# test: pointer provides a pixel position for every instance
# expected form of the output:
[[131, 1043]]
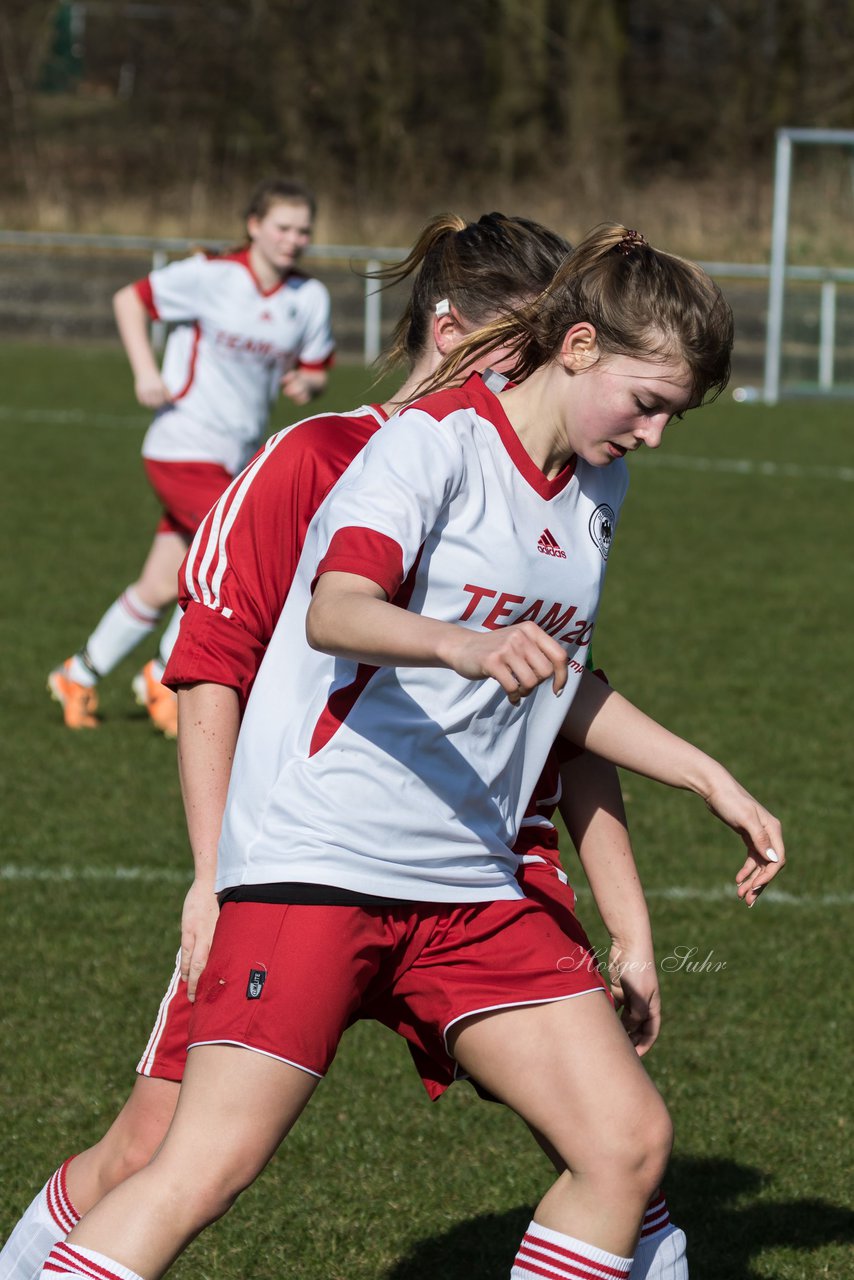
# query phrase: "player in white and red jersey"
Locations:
[[623, 339], [247, 324], [233, 598]]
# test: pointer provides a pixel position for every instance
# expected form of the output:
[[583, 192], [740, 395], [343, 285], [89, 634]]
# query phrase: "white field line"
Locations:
[[745, 467], [71, 418], [676, 461], [675, 893]]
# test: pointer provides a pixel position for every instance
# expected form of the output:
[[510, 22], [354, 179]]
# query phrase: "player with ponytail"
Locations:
[[438, 644]]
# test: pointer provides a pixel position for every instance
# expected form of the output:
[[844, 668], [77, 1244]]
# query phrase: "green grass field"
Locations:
[[727, 615]]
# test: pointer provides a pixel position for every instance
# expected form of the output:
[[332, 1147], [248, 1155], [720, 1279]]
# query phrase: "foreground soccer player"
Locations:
[[465, 275]]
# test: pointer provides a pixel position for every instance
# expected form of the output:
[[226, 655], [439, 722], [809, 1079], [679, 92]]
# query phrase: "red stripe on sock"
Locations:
[[568, 1263], [558, 1270], [655, 1220], [148, 619], [74, 1262], [59, 1206]]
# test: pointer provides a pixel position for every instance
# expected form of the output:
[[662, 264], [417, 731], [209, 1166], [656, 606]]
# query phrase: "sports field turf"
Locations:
[[728, 614]]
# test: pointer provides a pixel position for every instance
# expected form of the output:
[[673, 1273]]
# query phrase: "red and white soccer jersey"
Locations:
[[233, 342], [411, 783], [238, 571]]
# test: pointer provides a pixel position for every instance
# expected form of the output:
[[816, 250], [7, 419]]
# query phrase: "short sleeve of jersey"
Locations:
[[173, 292], [318, 344], [214, 649], [410, 470]]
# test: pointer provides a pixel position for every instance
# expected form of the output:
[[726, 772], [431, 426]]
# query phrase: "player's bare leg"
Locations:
[[660, 1253], [127, 1146], [615, 1141], [156, 585], [235, 1108], [80, 1183]]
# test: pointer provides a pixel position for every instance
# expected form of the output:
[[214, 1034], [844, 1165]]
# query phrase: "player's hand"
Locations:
[[634, 985], [296, 387], [760, 831], [198, 921], [519, 657], [151, 391]]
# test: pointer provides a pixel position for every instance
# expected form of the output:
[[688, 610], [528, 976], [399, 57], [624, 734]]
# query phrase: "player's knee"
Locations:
[[630, 1156], [214, 1191]]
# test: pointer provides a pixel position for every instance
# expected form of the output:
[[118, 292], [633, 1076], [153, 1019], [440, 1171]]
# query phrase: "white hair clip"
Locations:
[[443, 308]]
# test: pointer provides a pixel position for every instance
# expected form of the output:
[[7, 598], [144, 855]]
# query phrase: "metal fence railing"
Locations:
[[58, 287]]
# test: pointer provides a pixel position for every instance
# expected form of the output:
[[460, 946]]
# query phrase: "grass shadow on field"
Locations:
[[726, 1223], [729, 1218], [479, 1249]]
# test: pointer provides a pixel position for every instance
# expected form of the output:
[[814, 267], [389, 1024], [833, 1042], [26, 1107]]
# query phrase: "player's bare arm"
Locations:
[[591, 805], [132, 321], [351, 617], [608, 724], [208, 723]]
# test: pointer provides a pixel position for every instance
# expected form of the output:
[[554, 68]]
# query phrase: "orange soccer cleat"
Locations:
[[160, 703], [79, 702]]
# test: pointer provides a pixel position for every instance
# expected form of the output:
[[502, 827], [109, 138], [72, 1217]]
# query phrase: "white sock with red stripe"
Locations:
[[548, 1253], [127, 621], [85, 1264], [49, 1218], [660, 1252]]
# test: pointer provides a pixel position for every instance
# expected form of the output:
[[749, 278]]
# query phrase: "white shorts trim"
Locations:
[[514, 1004], [146, 1062], [239, 1044]]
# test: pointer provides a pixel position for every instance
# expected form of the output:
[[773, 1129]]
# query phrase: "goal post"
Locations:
[[786, 138]]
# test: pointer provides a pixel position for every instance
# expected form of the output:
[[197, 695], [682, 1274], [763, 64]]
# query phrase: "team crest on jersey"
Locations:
[[602, 528], [255, 985]]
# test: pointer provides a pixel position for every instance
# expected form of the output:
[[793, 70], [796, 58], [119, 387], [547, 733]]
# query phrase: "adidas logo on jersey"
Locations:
[[266, 315], [548, 546]]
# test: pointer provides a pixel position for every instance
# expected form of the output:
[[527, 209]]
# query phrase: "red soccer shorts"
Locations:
[[287, 980], [187, 491], [542, 880]]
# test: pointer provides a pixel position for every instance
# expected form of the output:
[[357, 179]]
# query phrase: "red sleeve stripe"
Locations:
[[317, 366], [355, 549], [146, 296]]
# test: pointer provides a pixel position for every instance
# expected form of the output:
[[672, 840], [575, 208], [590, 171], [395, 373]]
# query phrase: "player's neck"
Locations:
[[263, 270]]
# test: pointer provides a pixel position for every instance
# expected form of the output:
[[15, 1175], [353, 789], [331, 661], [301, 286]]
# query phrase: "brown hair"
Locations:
[[275, 190], [481, 268], [641, 302]]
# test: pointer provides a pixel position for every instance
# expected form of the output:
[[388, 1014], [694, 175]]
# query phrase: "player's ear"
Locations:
[[579, 349], [448, 328], [252, 225]]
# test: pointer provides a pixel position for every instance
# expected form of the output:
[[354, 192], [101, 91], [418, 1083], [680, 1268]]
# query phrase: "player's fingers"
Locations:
[[197, 968], [553, 653], [186, 953]]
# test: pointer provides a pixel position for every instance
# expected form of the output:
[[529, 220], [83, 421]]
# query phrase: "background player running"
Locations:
[[248, 324]]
